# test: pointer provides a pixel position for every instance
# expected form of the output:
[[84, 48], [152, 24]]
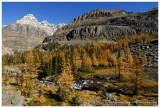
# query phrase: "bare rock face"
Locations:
[[107, 24], [27, 33], [6, 51]]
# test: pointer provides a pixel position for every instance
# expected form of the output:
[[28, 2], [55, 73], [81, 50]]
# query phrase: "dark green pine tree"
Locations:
[[67, 58], [22, 58], [71, 58], [55, 64], [119, 64], [59, 60], [119, 54], [51, 67], [35, 58], [41, 59], [48, 69]]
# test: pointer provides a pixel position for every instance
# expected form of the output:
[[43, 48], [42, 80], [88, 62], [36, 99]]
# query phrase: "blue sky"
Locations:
[[64, 12]]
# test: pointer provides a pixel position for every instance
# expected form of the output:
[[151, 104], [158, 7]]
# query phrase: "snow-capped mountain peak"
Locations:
[[30, 19]]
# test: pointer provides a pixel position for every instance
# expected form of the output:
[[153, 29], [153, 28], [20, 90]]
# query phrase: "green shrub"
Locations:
[[51, 46], [80, 74], [32, 103], [55, 78], [87, 69], [104, 91], [63, 97], [40, 92], [122, 79], [75, 99], [20, 88], [71, 89], [29, 94], [29, 87], [100, 67], [37, 84], [40, 87]]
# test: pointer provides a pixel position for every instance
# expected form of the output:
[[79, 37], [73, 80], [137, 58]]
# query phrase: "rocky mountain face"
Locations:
[[107, 24], [27, 33]]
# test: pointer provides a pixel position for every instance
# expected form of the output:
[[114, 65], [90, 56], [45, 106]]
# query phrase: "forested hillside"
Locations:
[[111, 67]]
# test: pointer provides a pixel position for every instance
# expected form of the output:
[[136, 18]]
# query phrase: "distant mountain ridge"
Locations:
[[27, 32], [30, 19], [108, 25]]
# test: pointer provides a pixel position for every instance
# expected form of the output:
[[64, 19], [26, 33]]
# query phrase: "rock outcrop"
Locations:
[[10, 98], [12, 70], [150, 49], [107, 24], [27, 33]]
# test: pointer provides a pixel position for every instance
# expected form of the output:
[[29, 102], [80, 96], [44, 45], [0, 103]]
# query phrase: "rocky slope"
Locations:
[[150, 49], [27, 33], [107, 24]]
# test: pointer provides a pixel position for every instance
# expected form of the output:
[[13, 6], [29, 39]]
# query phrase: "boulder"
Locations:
[[80, 99], [109, 97], [85, 104], [28, 99], [63, 104]]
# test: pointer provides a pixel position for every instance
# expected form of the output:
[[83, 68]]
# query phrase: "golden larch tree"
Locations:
[[137, 73], [30, 62], [76, 60], [128, 56], [94, 60], [86, 60], [66, 81]]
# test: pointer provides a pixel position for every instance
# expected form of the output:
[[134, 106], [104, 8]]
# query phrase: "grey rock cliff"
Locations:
[[27, 33], [107, 24]]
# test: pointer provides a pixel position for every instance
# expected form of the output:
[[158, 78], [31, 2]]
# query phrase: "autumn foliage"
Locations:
[[70, 60]]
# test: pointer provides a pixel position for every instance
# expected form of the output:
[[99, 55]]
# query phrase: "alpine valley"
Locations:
[[101, 58]]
